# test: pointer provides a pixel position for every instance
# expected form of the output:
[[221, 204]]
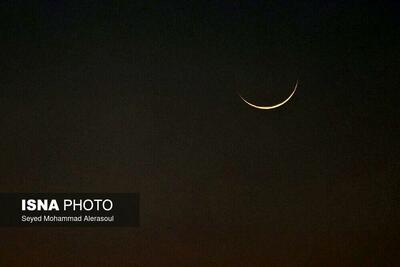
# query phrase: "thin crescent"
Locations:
[[274, 106]]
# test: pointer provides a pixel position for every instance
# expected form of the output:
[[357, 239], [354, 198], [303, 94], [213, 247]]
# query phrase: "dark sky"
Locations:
[[144, 98]]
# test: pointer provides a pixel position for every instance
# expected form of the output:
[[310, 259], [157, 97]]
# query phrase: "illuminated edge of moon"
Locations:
[[274, 106]]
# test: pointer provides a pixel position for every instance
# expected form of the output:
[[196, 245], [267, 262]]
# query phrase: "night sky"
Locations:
[[144, 98]]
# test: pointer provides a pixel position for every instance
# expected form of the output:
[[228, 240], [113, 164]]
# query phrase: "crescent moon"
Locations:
[[274, 106]]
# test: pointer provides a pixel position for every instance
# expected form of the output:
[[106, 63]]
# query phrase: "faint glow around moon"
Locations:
[[274, 106]]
